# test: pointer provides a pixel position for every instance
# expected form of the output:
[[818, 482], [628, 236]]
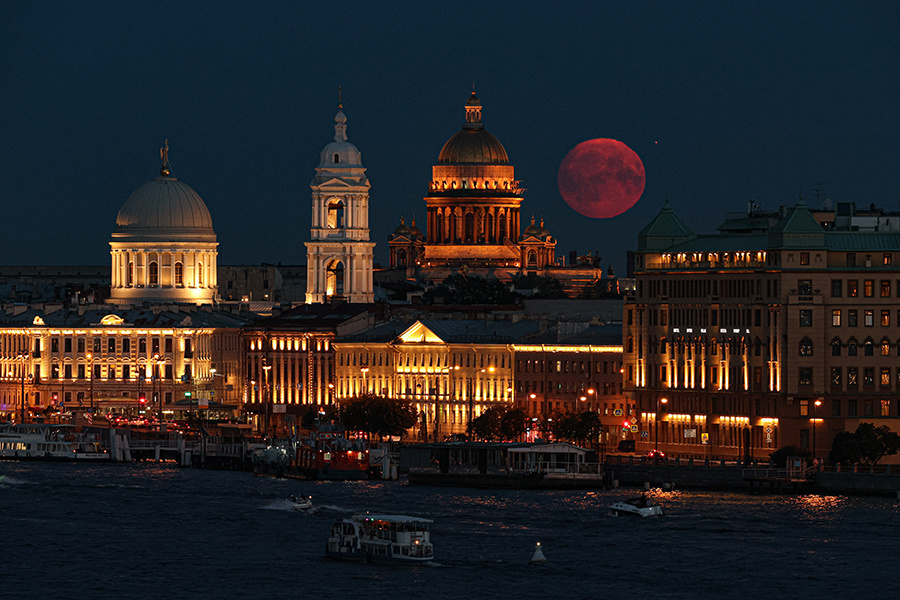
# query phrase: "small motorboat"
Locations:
[[301, 503], [636, 507]]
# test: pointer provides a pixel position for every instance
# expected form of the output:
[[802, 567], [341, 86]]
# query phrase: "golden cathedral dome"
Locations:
[[473, 144]]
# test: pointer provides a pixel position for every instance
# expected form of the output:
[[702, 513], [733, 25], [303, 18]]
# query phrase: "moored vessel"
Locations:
[[42, 441], [328, 454]]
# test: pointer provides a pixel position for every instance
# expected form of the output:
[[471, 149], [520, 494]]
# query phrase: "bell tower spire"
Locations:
[[339, 255]]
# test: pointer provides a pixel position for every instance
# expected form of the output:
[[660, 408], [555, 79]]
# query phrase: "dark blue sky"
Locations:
[[723, 101]]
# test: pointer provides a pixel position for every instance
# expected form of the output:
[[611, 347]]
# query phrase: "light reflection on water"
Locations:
[[161, 531]]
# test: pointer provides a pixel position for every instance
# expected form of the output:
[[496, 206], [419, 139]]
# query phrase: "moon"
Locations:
[[601, 178]]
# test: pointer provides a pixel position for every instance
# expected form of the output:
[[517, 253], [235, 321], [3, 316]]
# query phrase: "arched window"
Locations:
[[335, 214], [470, 228], [439, 226], [806, 347], [852, 347], [502, 227], [179, 274], [334, 284], [630, 345], [885, 347], [337, 158], [401, 258], [531, 261], [489, 227], [868, 347], [836, 347], [200, 274], [153, 273]]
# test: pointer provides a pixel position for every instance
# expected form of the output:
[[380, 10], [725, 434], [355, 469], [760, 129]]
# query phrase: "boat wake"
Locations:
[[6, 480]]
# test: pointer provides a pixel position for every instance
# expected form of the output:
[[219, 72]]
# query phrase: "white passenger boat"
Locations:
[[42, 441], [636, 507], [381, 538]]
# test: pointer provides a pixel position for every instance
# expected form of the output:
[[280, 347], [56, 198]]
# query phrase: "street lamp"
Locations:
[[157, 390], [365, 370], [24, 356], [90, 358], [816, 405], [266, 398], [656, 435]]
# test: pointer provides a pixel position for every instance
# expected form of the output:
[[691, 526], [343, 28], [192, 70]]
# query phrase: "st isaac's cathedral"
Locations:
[[473, 218]]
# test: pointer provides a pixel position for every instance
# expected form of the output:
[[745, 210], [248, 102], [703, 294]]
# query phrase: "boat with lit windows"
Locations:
[[43, 441], [327, 453], [398, 539], [641, 506]]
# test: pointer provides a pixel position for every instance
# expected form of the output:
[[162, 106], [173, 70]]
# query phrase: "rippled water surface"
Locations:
[[147, 531]]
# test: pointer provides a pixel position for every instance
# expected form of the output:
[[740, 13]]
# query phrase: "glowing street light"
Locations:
[[658, 401]]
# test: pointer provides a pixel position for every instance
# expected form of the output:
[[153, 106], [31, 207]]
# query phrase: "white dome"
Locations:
[[340, 153], [163, 208]]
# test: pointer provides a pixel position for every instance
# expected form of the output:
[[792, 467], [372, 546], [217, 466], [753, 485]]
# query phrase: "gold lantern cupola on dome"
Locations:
[[164, 248]]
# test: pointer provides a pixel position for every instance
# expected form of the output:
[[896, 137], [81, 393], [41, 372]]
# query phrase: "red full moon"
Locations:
[[601, 178]]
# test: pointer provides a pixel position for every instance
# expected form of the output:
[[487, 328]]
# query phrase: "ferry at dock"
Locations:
[[41, 441], [398, 539], [327, 454]]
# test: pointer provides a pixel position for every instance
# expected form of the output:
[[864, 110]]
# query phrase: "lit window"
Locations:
[[836, 317], [153, 273]]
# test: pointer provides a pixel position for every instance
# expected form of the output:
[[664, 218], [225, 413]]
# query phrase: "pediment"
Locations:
[[418, 333]]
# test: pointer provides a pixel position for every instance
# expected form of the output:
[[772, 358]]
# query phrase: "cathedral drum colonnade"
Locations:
[[164, 248]]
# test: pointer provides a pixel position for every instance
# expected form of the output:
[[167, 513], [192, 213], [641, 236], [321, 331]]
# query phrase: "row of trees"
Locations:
[[504, 423], [382, 417], [867, 446]]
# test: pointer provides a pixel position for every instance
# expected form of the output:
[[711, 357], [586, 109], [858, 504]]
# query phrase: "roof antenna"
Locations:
[[340, 99]]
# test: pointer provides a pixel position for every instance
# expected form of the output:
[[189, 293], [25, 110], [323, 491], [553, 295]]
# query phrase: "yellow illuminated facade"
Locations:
[[109, 365], [448, 383]]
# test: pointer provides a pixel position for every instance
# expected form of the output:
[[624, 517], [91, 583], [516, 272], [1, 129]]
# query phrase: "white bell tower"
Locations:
[[339, 255]]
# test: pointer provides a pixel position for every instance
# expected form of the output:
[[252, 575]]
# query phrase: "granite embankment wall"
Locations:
[[730, 477]]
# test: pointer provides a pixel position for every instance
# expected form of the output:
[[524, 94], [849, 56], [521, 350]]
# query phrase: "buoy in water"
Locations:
[[538, 554]]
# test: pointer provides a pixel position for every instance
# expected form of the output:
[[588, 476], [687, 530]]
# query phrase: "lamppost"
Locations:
[[90, 358], [658, 402], [24, 356], [157, 391], [266, 397], [365, 370], [816, 405]]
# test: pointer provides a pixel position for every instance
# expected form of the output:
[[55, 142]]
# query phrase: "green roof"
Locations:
[[663, 231]]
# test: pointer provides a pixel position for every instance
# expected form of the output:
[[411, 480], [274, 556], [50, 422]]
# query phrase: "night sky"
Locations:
[[725, 102]]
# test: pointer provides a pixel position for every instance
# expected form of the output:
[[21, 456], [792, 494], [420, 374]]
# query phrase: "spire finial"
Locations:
[[164, 158], [340, 97]]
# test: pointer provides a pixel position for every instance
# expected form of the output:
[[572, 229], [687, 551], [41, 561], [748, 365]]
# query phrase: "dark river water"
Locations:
[[148, 531]]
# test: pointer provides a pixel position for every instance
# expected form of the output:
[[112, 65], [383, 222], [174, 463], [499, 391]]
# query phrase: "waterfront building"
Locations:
[[781, 328], [451, 370], [339, 255], [164, 248], [130, 361], [289, 361], [574, 367]]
